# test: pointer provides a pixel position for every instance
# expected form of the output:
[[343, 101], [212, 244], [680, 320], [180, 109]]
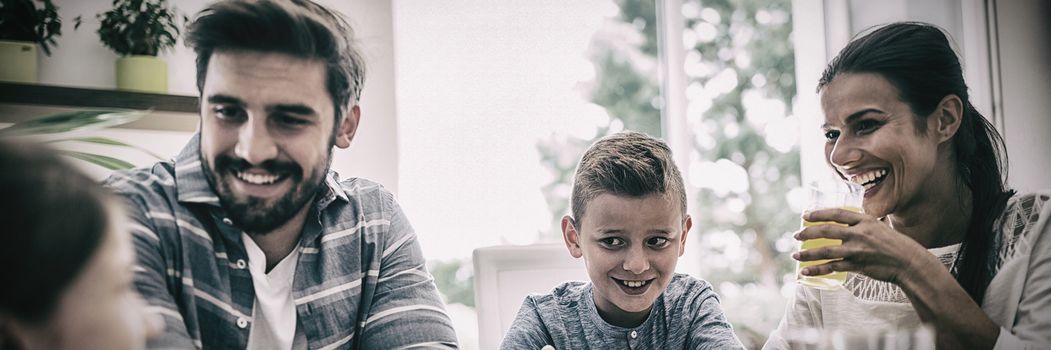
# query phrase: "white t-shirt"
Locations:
[[274, 311]]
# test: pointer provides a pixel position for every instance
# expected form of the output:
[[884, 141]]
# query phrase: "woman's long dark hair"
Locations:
[[917, 59], [54, 219]]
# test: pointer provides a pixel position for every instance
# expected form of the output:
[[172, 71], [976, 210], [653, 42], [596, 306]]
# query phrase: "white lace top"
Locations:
[[1018, 297]]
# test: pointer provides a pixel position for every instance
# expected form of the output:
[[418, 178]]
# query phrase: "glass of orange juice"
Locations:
[[824, 195]]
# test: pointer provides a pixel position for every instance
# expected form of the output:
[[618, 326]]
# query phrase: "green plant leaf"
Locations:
[[71, 121], [107, 141], [100, 160]]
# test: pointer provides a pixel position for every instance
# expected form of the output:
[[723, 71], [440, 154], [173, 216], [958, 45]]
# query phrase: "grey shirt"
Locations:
[[686, 316]]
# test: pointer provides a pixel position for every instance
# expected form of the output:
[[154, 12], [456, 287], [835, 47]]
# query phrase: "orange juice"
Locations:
[[826, 281]]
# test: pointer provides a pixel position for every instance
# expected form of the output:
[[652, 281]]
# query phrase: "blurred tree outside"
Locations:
[[455, 280], [625, 55], [741, 71], [744, 165]]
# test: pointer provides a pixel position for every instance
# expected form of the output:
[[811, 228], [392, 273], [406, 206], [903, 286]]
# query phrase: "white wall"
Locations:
[[81, 60], [1024, 37]]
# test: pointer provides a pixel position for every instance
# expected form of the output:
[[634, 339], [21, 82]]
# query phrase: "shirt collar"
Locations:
[[190, 182], [193, 187]]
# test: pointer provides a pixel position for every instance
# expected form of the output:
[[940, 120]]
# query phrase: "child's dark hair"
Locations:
[[54, 220]]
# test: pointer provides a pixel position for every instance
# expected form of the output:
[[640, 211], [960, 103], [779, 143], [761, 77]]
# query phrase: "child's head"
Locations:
[[64, 246], [629, 223]]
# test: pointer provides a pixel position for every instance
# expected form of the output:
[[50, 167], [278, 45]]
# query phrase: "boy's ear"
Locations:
[[571, 237], [686, 225]]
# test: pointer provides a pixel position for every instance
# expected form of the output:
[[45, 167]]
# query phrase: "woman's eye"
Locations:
[[657, 242], [866, 126], [831, 135]]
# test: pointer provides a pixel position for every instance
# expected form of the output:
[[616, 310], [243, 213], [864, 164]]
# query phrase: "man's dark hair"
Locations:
[[299, 28]]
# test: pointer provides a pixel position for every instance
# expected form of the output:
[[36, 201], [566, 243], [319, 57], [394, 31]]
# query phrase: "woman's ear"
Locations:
[[571, 236], [947, 117]]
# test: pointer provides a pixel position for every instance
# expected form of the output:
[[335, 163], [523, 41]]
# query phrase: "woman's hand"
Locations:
[[874, 249], [870, 247]]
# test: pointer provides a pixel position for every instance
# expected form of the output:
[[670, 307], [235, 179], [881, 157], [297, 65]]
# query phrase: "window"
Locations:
[[497, 101]]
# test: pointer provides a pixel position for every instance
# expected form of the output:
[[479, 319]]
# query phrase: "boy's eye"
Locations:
[[657, 242], [612, 242]]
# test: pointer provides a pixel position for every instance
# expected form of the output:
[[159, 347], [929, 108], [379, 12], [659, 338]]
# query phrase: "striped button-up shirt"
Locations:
[[360, 281]]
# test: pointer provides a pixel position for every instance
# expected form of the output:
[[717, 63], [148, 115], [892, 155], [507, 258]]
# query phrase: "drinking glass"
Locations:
[[824, 195], [919, 337]]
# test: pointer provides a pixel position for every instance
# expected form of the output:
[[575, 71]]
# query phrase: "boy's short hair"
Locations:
[[625, 164]]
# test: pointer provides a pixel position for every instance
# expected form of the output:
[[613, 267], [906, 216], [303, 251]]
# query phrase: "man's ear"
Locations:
[[571, 237], [349, 126], [947, 118]]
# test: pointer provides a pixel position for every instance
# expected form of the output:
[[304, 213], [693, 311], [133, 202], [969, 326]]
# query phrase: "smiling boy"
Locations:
[[629, 223]]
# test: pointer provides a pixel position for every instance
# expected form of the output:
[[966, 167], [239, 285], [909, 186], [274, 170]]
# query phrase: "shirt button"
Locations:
[[241, 264], [242, 323], [634, 334], [227, 221]]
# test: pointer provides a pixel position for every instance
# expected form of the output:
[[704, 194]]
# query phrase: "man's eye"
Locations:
[[292, 121], [227, 112], [831, 135], [657, 242]]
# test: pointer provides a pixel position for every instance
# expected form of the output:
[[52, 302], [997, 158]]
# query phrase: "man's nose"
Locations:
[[254, 142]]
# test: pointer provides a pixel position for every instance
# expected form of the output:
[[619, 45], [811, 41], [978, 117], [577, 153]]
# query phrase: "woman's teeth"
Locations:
[[870, 178], [257, 179]]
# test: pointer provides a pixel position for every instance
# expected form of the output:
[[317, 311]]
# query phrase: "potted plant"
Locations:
[[68, 127], [138, 30], [22, 27]]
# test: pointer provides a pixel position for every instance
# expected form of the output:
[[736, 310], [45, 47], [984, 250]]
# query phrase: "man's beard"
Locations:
[[254, 215]]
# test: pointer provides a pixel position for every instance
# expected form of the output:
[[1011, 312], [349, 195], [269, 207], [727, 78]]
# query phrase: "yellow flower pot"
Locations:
[[143, 74], [18, 61]]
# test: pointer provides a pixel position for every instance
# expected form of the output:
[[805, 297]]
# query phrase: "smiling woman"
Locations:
[[941, 240]]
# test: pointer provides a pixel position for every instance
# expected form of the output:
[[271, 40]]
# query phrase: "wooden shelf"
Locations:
[[20, 102], [49, 95]]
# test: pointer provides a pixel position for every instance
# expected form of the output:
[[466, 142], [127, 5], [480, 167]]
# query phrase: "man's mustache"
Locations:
[[224, 163]]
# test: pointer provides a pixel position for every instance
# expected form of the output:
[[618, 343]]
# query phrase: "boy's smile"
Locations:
[[630, 246]]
